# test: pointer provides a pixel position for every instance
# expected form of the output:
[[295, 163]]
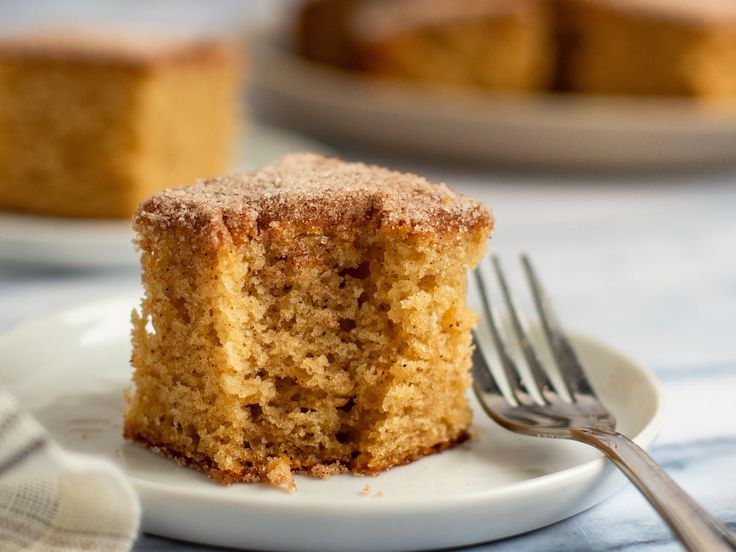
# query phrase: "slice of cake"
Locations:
[[309, 316], [490, 44], [651, 47], [93, 123]]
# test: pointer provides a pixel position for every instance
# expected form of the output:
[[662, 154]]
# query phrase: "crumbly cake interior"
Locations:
[[323, 347]]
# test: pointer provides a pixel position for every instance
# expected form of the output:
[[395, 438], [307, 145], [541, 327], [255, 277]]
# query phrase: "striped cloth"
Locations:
[[52, 500]]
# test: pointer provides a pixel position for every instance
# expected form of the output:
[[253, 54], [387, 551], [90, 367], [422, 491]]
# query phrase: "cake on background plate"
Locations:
[[650, 47], [488, 44], [306, 317], [93, 122], [632, 47]]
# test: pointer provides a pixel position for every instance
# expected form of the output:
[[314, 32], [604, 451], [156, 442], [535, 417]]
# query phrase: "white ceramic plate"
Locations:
[[567, 131], [496, 485], [78, 243]]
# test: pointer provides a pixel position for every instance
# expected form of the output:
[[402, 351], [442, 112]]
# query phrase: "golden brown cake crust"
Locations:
[[314, 192], [131, 48], [257, 474]]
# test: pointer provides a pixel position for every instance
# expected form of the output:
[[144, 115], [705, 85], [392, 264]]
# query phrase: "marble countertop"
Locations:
[[647, 264]]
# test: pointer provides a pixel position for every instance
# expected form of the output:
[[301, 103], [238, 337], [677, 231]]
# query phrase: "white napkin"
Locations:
[[52, 500]]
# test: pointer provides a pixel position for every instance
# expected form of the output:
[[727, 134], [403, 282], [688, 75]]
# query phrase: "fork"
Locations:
[[535, 402]]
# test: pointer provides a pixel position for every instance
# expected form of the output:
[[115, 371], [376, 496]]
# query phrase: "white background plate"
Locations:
[[496, 485], [79, 243], [564, 131]]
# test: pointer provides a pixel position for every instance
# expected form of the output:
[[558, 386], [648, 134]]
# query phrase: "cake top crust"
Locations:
[[314, 193], [112, 46]]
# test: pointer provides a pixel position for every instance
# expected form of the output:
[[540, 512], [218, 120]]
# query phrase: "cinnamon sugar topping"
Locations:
[[316, 192]]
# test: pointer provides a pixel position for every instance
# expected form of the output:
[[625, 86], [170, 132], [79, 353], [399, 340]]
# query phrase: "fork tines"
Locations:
[[534, 379]]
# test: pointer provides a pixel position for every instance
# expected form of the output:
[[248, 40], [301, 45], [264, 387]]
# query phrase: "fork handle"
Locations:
[[697, 530]]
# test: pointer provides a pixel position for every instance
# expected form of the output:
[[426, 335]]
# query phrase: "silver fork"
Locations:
[[532, 405]]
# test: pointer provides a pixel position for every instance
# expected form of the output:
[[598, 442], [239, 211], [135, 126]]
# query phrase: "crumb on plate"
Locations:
[[279, 474]]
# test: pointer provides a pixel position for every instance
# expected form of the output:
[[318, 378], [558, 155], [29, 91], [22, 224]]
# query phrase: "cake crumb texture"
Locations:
[[310, 316]]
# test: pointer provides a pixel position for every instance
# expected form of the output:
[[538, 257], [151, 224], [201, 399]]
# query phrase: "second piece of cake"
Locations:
[[92, 123], [650, 47], [488, 44], [308, 316]]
